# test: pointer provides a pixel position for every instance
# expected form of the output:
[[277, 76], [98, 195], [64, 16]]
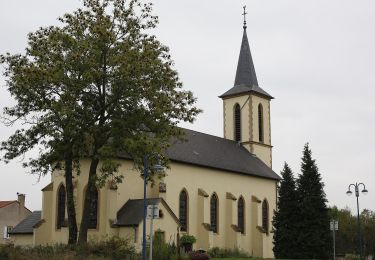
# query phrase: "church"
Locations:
[[222, 190]]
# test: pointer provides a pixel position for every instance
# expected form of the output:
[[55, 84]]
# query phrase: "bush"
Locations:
[[198, 255], [165, 251], [3, 252], [112, 248], [217, 252], [162, 250], [187, 239]]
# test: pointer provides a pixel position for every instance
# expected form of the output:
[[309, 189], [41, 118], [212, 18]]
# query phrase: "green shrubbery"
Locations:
[[112, 248], [217, 252], [165, 251]]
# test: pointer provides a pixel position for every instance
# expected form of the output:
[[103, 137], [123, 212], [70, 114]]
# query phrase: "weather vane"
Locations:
[[244, 17]]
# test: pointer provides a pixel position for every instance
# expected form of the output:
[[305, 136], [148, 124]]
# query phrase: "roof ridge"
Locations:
[[4, 203], [209, 134]]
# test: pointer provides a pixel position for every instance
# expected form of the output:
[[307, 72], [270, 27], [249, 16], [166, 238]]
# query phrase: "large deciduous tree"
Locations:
[[313, 238], [285, 220], [93, 87]]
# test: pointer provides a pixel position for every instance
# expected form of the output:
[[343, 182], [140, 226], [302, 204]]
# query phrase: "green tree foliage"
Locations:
[[284, 221], [313, 238], [93, 87], [346, 236]]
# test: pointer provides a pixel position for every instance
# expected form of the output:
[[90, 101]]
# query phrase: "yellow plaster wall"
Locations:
[[43, 232], [229, 104], [180, 176], [22, 239], [249, 124], [255, 101]]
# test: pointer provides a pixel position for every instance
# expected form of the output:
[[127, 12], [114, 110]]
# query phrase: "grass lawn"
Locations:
[[233, 258]]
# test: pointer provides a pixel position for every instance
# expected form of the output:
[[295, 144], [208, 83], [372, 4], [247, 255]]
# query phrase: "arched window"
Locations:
[[265, 216], [183, 210], [241, 215], [260, 123], [213, 212], [93, 214], [237, 123], [61, 198]]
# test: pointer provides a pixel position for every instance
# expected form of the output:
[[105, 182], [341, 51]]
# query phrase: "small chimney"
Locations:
[[21, 199]]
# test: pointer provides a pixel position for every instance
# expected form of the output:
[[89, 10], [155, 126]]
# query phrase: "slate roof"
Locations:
[[216, 152], [219, 153], [131, 213], [27, 224], [5, 203], [246, 79]]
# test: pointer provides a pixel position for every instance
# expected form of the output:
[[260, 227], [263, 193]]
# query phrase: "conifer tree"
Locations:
[[284, 220], [313, 239]]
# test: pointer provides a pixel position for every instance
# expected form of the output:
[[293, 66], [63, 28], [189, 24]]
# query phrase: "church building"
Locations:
[[222, 190]]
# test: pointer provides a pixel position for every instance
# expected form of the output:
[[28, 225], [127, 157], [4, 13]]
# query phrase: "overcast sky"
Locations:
[[316, 57]]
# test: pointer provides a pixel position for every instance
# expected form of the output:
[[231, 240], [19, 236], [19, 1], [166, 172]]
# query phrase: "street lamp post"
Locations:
[[349, 192], [156, 167]]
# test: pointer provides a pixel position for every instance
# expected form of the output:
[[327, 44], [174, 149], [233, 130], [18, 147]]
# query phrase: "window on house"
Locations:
[[183, 210], [213, 212], [241, 215], [61, 201], [7, 230], [237, 123], [260, 123], [93, 214], [265, 216]]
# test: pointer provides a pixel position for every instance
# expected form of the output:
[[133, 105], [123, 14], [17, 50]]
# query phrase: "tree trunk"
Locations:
[[82, 239], [72, 222]]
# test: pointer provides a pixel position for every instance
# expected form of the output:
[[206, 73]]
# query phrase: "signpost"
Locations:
[[152, 212], [334, 225]]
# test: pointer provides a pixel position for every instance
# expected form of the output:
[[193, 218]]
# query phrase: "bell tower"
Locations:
[[246, 107]]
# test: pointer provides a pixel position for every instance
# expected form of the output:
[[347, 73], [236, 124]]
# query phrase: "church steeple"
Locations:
[[247, 108], [246, 79]]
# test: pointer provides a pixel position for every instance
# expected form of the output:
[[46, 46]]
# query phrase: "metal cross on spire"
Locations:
[[244, 17]]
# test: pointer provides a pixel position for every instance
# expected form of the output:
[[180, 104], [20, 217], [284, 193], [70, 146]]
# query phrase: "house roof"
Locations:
[[216, 152], [131, 213], [246, 79], [5, 203], [26, 226]]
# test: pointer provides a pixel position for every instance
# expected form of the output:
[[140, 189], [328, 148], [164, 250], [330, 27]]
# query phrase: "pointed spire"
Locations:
[[245, 74], [246, 79]]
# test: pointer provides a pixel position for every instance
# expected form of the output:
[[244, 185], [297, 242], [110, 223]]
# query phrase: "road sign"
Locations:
[[334, 224], [152, 211]]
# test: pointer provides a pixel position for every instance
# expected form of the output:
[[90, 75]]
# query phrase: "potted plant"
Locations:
[[187, 242]]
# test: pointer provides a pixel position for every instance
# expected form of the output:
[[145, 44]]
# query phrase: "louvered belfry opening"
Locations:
[[213, 213], [237, 123], [260, 123], [61, 207], [183, 210]]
